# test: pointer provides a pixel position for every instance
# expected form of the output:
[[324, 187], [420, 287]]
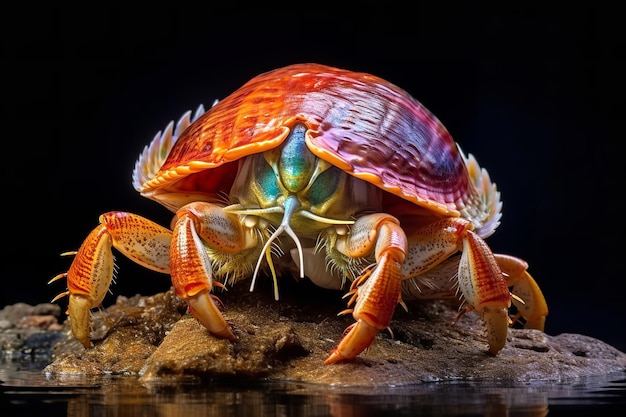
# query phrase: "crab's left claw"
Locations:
[[485, 289], [527, 296], [377, 291], [485, 279], [356, 338], [376, 300]]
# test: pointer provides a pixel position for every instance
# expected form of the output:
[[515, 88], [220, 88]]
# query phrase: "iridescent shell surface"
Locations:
[[360, 123]]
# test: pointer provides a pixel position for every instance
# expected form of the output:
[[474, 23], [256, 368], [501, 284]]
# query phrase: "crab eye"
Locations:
[[324, 186], [268, 182]]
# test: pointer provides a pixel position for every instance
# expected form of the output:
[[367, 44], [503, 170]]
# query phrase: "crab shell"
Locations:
[[362, 124]]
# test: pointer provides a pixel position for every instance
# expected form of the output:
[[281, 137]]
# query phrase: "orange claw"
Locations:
[[192, 276], [92, 269], [80, 315], [376, 298], [528, 298], [358, 337], [485, 288], [88, 280], [204, 308]]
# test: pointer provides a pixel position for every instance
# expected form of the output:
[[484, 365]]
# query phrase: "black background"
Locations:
[[536, 95]]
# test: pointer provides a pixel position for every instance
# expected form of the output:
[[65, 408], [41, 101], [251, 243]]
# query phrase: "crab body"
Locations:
[[360, 181]]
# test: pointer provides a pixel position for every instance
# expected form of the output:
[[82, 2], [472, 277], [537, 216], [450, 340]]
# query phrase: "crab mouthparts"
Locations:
[[290, 207]]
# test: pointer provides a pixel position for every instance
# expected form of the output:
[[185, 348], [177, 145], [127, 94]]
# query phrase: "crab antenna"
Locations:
[[291, 205], [268, 255]]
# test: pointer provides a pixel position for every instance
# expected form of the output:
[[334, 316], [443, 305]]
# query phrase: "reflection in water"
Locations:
[[30, 392]]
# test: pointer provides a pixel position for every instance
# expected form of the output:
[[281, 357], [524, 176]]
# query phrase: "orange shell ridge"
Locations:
[[358, 122]]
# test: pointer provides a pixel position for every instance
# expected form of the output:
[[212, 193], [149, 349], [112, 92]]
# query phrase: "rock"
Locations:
[[28, 333], [156, 339], [21, 315]]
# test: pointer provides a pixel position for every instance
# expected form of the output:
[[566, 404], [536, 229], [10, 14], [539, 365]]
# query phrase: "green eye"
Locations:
[[267, 182], [325, 185]]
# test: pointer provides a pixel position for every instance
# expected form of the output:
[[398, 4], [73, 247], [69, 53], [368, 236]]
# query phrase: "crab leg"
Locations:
[[485, 289], [198, 228], [479, 275], [91, 272], [376, 293], [181, 252], [435, 282], [528, 297]]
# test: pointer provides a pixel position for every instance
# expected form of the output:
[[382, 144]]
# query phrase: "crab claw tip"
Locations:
[[204, 309], [334, 357]]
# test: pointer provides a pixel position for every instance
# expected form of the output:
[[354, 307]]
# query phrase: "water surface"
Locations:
[[26, 390]]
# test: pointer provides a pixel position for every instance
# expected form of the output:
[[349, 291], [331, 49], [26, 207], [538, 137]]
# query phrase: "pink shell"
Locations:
[[363, 124]]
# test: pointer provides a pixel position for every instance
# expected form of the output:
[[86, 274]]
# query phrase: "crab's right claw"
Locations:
[[88, 280], [91, 271]]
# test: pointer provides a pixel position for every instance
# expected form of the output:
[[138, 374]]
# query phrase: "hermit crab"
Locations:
[[341, 176]]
